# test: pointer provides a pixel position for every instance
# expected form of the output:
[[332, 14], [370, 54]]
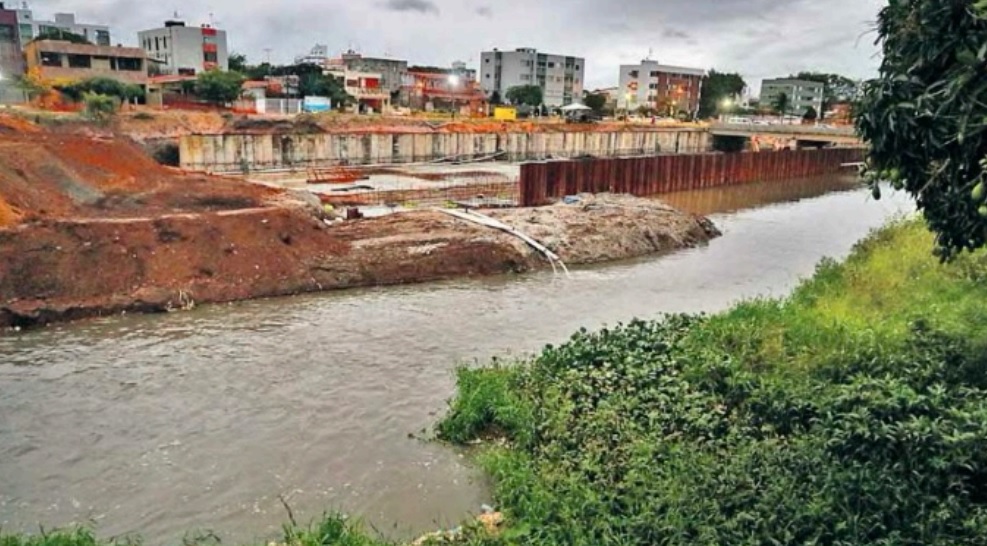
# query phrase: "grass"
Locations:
[[851, 412]]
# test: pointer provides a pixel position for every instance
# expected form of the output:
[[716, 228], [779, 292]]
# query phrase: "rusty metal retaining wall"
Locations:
[[541, 183]]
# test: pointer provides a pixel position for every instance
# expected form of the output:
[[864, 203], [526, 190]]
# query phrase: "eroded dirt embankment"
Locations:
[[93, 227]]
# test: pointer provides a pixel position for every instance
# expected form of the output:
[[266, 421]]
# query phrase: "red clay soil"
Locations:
[[92, 227]]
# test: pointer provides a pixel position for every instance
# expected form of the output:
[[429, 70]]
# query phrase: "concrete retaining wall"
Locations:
[[249, 152]]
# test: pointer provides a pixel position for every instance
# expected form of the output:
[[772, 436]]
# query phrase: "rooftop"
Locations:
[[68, 48]]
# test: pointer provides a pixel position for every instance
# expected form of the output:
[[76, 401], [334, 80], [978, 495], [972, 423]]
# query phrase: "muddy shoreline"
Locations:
[[62, 270]]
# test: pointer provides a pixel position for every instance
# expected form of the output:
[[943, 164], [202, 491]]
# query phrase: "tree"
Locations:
[[596, 101], [34, 84], [810, 115], [525, 94], [781, 104], [62, 36], [238, 62], [924, 116], [718, 87], [495, 98], [318, 84], [99, 108], [218, 86], [837, 88], [77, 90]]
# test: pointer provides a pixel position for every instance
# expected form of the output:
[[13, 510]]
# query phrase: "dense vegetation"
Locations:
[[717, 88], [925, 117], [853, 412]]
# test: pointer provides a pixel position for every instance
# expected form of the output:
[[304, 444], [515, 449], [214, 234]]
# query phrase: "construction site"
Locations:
[[91, 225]]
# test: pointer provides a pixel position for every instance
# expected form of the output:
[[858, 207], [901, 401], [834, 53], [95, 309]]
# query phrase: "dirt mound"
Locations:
[[44, 176], [13, 125], [606, 227]]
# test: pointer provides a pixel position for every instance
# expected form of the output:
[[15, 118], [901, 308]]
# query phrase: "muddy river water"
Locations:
[[165, 425]]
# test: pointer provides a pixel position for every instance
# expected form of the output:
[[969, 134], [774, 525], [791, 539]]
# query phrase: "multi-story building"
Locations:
[[319, 55], [60, 61], [11, 57], [667, 89], [801, 94], [366, 87], [447, 89], [30, 28], [184, 50], [392, 71], [560, 77]]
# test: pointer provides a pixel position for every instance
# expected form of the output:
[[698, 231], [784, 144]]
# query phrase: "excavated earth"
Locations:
[[91, 226]]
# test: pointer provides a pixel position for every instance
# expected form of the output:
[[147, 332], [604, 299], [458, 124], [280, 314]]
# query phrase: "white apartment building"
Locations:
[[30, 28], [802, 94], [185, 50], [670, 89], [560, 77]]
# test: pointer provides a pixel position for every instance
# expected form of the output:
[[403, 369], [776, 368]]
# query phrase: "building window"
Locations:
[[551, 65], [27, 32], [164, 43], [526, 77], [488, 76], [210, 57], [6, 33], [634, 74], [80, 61], [102, 37], [653, 86], [577, 67], [129, 64], [51, 59], [157, 44]]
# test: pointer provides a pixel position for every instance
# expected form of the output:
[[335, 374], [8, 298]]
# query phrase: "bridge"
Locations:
[[806, 136]]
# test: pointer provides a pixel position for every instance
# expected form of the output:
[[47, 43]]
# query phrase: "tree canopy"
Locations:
[[781, 104], [62, 36], [107, 87], [717, 87], [238, 62], [837, 88], [596, 101], [925, 116], [810, 114], [218, 86], [530, 95]]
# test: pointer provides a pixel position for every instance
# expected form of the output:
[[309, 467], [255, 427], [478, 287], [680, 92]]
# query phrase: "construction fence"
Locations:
[[543, 183]]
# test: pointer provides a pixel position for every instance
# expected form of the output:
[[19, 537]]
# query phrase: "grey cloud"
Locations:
[[675, 34], [484, 11], [420, 6]]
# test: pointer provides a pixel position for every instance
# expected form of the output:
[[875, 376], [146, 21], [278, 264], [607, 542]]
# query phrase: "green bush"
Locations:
[[841, 415], [99, 107]]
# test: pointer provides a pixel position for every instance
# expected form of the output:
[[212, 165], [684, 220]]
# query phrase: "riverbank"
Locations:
[[93, 227], [850, 412]]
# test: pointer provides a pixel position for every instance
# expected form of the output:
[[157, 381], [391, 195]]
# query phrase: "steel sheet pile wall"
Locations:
[[542, 183]]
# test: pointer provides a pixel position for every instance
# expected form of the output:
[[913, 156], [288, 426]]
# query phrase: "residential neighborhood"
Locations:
[[166, 60]]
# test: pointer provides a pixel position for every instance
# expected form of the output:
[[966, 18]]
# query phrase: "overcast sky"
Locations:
[[758, 38]]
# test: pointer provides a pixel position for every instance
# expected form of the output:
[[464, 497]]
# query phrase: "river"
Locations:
[[168, 424]]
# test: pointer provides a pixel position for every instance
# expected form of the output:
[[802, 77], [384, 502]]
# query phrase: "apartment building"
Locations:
[[186, 50], [560, 77], [667, 89], [29, 28], [392, 71], [445, 89], [802, 94], [60, 61]]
